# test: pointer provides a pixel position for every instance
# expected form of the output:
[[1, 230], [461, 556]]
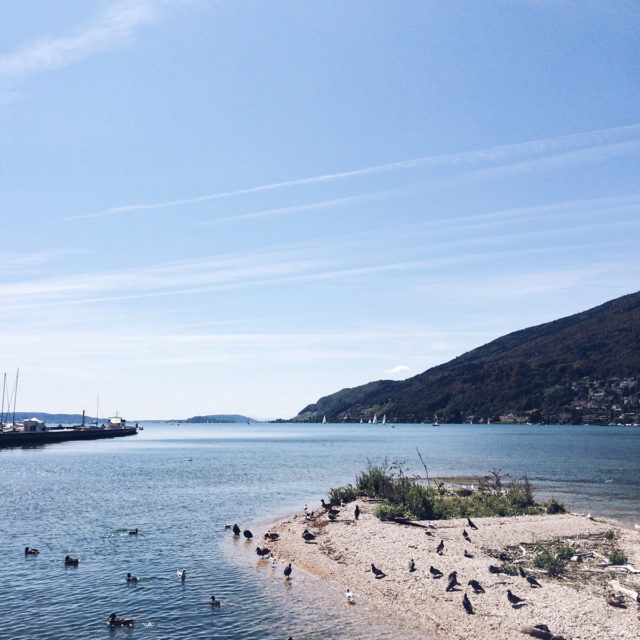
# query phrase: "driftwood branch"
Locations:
[[426, 471]]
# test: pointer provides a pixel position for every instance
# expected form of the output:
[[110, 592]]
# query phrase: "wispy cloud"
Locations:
[[525, 156], [112, 28]]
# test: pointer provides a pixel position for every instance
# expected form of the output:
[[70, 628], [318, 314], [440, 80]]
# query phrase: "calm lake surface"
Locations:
[[180, 484]]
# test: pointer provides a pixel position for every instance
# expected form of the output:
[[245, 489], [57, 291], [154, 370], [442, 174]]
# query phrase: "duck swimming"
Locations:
[[30, 552], [68, 560], [214, 602], [182, 574], [131, 578], [119, 622]]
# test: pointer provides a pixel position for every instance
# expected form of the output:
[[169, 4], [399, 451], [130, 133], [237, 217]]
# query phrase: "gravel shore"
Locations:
[[573, 606]]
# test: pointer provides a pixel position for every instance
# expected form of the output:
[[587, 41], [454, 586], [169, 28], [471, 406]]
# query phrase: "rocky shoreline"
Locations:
[[576, 605]]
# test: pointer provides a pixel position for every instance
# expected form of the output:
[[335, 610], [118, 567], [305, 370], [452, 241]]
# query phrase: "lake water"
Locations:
[[179, 484]]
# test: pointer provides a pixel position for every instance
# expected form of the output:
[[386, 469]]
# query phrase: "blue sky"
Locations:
[[215, 207]]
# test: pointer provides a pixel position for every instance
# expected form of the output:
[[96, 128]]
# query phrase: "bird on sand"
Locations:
[[349, 596], [287, 572], [440, 548], [113, 621], [465, 535], [533, 582], [308, 536], [522, 572], [466, 603], [271, 536], [30, 552], [236, 530], [494, 569], [615, 601], [356, 513], [513, 598], [476, 586], [453, 581], [263, 552], [182, 574], [214, 602], [436, 573], [467, 554], [471, 525], [542, 632], [247, 534], [377, 572], [131, 578], [412, 566]]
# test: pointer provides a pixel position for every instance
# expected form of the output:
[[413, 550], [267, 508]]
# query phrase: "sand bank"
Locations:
[[573, 606]]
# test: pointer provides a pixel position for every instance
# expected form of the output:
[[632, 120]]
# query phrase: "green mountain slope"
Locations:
[[585, 367]]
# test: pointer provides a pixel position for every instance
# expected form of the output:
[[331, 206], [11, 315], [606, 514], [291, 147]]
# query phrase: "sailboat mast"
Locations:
[[15, 397], [4, 384]]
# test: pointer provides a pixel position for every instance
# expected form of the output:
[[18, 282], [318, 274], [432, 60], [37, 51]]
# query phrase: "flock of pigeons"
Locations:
[[538, 631]]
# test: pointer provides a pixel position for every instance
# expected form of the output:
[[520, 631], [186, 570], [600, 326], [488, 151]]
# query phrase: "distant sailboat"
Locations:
[[435, 422], [375, 420], [384, 419], [324, 419]]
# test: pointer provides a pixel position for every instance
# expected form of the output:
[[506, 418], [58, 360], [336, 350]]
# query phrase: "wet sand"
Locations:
[[573, 606]]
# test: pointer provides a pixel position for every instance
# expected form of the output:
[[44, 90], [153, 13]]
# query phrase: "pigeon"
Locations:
[[356, 513], [476, 586], [494, 569], [236, 530], [466, 603], [308, 536], [247, 534], [349, 596], [465, 535], [377, 572], [513, 598], [467, 554], [440, 548], [412, 566], [616, 601], [541, 631], [287, 571], [453, 581], [471, 525], [532, 581], [436, 573]]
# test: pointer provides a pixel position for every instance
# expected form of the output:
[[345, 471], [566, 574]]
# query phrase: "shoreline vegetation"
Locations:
[[420, 498], [396, 541]]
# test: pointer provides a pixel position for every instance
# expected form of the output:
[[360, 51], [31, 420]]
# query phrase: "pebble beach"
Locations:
[[573, 606]]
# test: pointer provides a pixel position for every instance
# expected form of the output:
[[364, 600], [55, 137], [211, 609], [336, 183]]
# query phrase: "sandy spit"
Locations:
[[573, 606]]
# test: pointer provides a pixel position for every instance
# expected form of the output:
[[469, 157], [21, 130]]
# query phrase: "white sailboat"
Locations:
[[375, 420], [324, 419], [384, 419], [435, 422]]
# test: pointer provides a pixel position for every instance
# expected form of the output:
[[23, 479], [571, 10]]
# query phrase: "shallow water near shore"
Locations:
[[179, 485]]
